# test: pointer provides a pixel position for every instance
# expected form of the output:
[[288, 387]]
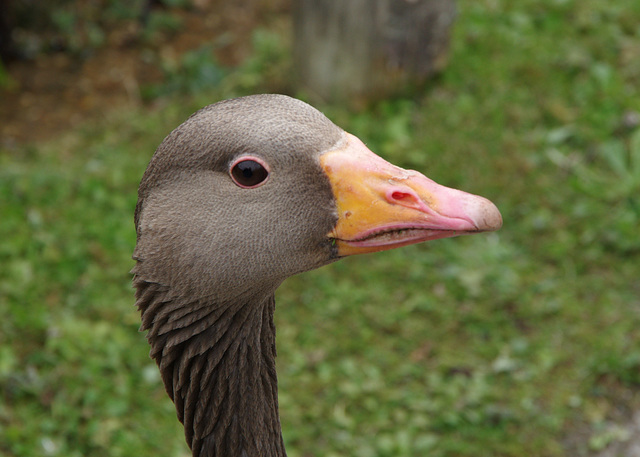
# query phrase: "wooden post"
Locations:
[[346, 49]]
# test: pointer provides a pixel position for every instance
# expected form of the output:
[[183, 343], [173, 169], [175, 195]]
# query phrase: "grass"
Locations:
[[521, 342]]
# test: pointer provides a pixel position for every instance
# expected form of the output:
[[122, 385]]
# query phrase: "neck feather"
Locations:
[[218, 366]]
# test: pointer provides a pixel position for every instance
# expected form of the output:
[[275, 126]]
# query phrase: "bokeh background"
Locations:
[[523, 342]]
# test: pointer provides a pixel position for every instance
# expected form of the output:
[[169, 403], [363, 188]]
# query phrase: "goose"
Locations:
[[242, 195]]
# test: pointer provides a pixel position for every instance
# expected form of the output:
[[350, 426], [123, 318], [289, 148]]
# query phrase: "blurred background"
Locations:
[[523, 342]]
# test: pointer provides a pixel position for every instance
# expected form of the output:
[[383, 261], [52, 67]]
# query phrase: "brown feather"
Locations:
[[210, 256]]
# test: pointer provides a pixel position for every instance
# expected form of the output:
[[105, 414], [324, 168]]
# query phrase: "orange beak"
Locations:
[[381, 206]]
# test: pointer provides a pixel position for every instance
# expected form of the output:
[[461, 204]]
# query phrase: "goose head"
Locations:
[[242, 195]]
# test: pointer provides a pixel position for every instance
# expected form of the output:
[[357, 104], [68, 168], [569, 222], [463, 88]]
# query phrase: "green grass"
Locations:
[[520, 342]]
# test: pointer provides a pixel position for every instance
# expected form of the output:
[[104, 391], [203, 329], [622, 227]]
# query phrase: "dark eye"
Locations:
[[249, 172]]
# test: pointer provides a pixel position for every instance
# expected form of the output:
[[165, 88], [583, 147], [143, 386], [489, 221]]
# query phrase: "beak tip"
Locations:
[[486, 216]]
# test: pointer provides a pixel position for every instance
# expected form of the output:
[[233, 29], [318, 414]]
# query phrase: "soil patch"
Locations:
[[56, 92]]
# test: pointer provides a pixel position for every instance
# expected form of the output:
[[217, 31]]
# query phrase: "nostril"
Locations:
[[401, 196]]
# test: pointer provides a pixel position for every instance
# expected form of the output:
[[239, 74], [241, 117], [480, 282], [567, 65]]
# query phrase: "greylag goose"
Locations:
[[242, 195]]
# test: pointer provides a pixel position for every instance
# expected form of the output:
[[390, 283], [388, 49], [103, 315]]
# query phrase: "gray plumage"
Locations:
[[210, 256]]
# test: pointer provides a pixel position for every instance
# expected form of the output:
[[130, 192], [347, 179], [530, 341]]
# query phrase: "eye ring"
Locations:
[[249, 172]]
